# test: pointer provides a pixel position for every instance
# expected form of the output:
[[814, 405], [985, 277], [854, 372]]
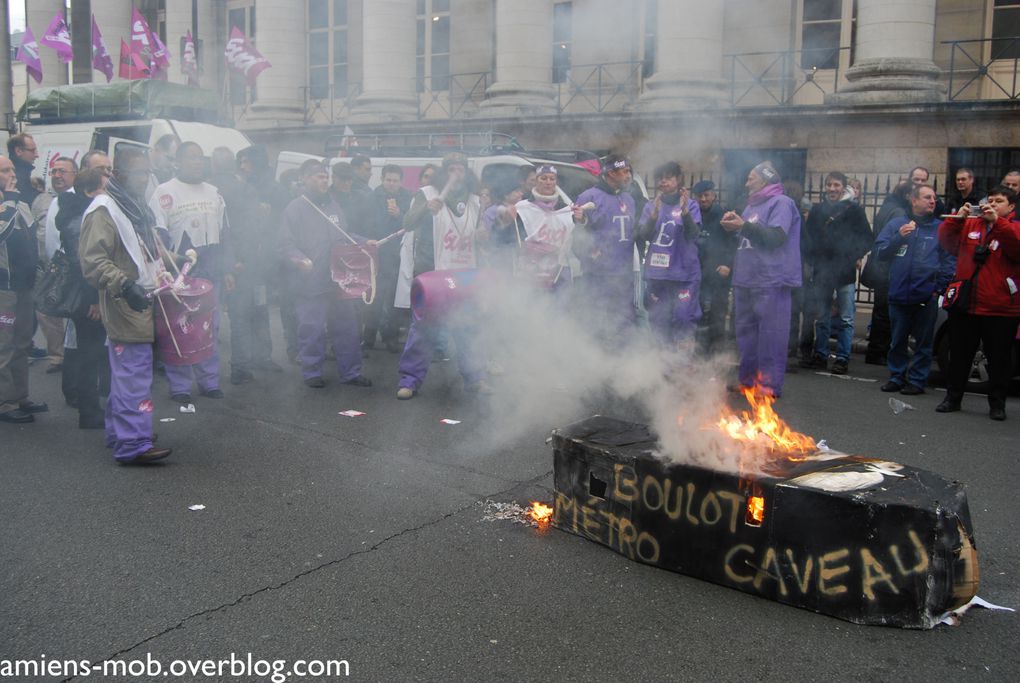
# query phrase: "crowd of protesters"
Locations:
[[774, 274]]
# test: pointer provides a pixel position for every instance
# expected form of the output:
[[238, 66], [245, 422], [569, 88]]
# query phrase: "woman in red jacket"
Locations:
[[987, 244]]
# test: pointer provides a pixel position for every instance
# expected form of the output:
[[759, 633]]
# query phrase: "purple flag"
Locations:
[[28, 54], [242, 57], [58, 38], [160, 55], [189, 60], [102, 60]]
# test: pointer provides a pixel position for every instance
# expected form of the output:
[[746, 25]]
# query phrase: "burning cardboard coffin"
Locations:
[[865, 540]]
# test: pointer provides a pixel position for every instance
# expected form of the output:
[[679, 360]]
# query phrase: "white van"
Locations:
[[70, 120], [490, 170]]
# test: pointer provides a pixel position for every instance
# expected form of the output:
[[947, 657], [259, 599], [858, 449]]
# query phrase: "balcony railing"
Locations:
[[784, 78], [984, 69], [596, 88], [978, 70]]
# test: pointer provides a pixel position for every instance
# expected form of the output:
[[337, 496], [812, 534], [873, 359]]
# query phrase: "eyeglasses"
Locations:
[[60, 171]]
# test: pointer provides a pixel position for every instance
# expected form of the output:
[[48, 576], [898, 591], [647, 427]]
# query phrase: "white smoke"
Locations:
[[557, 370]]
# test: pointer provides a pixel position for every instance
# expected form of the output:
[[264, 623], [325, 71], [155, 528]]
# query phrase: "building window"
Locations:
[[650, 24], [327, 49], [563, 32], [433, 45], [1006, 24], [825, 26], [241, 15]]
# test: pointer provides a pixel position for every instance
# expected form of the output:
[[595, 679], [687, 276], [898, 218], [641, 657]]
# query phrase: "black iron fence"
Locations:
[[983, 69], [785, 77], [596, 88]]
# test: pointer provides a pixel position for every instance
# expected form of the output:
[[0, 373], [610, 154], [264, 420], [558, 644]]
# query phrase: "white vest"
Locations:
[[453, 236], [148, 271], [555, 228]]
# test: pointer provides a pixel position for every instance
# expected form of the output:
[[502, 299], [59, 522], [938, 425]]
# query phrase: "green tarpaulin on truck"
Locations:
[[142, 99]]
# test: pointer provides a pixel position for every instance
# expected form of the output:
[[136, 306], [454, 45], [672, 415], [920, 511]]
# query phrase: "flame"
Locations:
[[540, 513], [761, 426], [755, 510]]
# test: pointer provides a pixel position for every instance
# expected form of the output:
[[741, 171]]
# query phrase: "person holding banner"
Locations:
[[120, 257], [194, 214], [446, 219], [312, 225]]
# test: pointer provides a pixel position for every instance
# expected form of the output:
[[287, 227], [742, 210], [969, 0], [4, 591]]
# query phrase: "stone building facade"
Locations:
[[870, 87]]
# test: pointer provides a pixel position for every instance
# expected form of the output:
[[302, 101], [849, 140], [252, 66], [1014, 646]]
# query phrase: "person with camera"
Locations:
[[983, 301], [918, 270]]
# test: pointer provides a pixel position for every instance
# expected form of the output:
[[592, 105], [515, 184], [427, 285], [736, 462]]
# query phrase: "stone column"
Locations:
[[38, 15], [388, 72], [281, 36], [6, 80], [114, 20], [893, 61], [524, 56], [178, 23], [688, 68]]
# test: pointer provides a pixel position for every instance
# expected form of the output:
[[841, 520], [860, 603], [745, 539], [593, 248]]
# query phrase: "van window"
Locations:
[[498, 174], [573, 180]]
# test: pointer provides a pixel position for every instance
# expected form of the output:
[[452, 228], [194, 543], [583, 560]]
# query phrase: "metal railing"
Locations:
[[984, 69], [329, 104], [783, 78], [458, 92], [596, 88]]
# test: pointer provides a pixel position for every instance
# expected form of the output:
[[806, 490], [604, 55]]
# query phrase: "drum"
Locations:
[[185, 323]]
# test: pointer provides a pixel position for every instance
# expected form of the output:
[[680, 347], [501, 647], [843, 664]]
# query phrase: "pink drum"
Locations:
[[185, 323], [438, 292]]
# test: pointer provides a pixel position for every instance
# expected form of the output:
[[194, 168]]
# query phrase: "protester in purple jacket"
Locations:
[[670, 225], [765, 268], [312, 224], [604, 243]]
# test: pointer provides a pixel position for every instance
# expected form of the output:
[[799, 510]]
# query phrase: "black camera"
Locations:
[[981, 252]]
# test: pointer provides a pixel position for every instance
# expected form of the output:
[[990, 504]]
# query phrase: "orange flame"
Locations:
[[763, 427], [540, 513], [755, 511]]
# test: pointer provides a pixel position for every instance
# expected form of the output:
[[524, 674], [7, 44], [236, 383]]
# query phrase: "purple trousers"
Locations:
[[674, 308], [421, 345], [322, 315], [761, 319], [206, 373], [129, 407]]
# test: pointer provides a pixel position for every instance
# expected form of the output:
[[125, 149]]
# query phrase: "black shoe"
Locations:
[[315, 382], [151, 455], [241, 376], [997, 413], [33, 407], [840, 366], [911, 390], [211, 393], [359, 381], [54, 369], [270, 366], [876, 360], [17, 416], [36, 354], [183, 399], [815, 362], [890, 387], [948, 405]]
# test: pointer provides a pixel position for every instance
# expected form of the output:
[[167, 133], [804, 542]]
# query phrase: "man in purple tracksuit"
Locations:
[[311, 226], [671, 225], [765, 269], [604, 243]]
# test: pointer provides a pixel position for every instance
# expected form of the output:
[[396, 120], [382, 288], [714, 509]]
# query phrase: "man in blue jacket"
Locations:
[[918, 270]]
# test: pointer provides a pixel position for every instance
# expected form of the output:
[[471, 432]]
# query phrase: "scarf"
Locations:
[[547, 202], [764, 194], [140, 215]]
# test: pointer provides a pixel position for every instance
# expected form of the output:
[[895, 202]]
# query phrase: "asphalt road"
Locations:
[[365, 539]]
